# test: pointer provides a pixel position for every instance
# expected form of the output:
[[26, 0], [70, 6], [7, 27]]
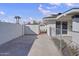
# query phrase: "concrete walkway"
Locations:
[[43, 46], [30, 45]]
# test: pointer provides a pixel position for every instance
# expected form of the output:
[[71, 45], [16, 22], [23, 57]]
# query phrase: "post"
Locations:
[[22, 30], [61, 37]]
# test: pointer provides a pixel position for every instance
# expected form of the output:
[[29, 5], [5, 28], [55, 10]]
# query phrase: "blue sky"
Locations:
[[32, 11]]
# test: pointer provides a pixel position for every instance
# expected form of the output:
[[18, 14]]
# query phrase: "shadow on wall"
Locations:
[[9, 31], [31, 29], [20, 46], [28, 30]]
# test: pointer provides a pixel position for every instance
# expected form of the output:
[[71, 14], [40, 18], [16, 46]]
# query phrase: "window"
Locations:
[[75, 23], [64, 27], [61, 27], [75, 16], [58, 27]]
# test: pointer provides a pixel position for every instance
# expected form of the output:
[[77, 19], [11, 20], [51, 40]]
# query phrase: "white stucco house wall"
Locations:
[[65, 24]]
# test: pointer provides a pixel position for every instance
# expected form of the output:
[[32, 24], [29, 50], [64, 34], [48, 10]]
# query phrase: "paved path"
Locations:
[[18, 47], [29, 45], [43, 46]]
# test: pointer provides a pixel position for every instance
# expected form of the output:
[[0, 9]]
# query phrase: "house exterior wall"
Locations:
[[31, 29], [52, 32], [75, 30], [75, 24], [9, 31], [75, 37], [72, 38], [51, 29], [51, 26], [69, 24]]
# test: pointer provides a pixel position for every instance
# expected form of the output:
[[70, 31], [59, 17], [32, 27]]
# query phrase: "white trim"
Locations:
[[64, 14]]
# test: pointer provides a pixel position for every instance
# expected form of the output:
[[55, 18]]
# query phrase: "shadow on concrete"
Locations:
[[19, 46], [64, 49]]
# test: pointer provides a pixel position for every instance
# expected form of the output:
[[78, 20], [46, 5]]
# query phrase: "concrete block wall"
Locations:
[[9, 31], [31, 29]]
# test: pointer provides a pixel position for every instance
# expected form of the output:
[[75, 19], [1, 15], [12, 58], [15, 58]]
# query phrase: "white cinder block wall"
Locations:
[[31, 29], [9, 31]]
